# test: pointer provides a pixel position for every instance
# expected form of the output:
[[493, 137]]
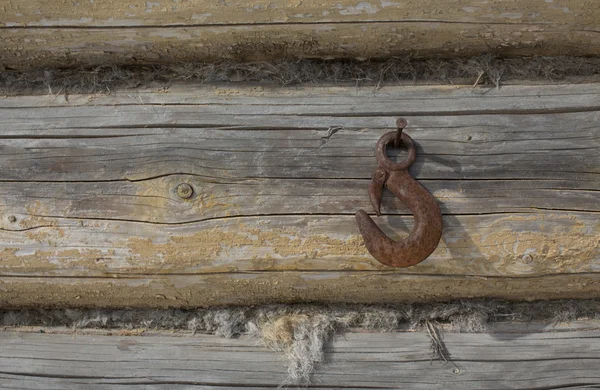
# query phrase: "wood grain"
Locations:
[[356, 360], [63, 13], [90, 216], [62, 33]]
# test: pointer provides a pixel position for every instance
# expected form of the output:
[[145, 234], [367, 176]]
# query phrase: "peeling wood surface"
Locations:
[[90, 215], [61, 33], [356, 360]]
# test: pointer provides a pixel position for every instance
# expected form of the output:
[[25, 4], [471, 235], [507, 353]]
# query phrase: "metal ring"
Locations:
[[382, 158]]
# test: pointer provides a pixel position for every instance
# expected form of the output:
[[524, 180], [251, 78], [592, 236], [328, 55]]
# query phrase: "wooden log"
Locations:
[[357, 360], [90, 214], [62, 33]]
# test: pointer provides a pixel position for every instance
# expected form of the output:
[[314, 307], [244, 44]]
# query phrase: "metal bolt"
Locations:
[[401, 123], [527, 258], [12, 219], [185, 191], [456, 371]]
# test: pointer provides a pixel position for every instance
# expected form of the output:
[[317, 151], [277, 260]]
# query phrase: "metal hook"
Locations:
[[427, 231]]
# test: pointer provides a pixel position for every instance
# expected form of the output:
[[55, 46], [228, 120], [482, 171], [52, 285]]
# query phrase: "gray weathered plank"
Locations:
[[88, 191], [356, 360]]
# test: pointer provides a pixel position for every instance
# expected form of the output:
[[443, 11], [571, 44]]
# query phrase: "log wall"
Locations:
[[90, 214]]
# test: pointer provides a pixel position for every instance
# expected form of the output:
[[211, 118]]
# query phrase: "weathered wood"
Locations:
[[19, 13], [90, 213], [356, 360], [61, 33]]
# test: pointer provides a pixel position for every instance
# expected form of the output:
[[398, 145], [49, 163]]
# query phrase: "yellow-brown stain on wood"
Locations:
[[184, 252], [211, 249], [23, 48], [509, 246], [167, 12], [240, 289], [562, 247], [208, 202], [36, 217], [43, 261], [162, 202]]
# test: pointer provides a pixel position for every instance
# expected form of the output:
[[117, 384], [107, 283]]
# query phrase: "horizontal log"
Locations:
[[357, 360], [90, 215], [497, 245], [37, 33], [253, 288], [63, 13]]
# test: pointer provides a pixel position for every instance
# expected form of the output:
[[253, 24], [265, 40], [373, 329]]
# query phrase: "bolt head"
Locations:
[[185, 191], [401, 123]]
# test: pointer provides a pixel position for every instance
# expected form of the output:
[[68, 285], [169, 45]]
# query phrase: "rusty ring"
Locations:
[[382, 158]]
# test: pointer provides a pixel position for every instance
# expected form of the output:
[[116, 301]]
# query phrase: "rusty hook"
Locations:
[[427, 231]]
